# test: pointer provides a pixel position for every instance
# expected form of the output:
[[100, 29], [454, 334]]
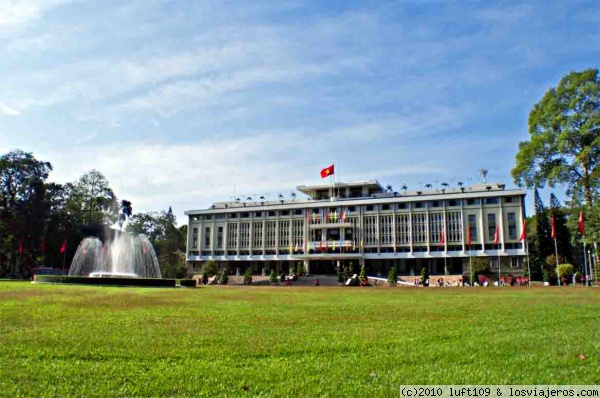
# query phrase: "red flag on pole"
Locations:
[[523, 232], [581, 226], [43, 245], [496, 236], [553, 228], [63, 248], [20, 245], [443, 240], [327, 171]]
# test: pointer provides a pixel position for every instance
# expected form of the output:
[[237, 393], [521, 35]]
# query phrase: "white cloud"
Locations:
[[14, 12], [7, 110]]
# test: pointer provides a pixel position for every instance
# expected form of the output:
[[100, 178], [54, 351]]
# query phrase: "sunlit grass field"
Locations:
[[290, 341]]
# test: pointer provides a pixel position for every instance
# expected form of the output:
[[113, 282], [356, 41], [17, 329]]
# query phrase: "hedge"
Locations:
[[187, 283], [86, 280]]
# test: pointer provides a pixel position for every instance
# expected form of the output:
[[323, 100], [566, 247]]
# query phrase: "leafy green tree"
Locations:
[[210, 268], [564, 145], [480, 266], [300, 268], [93, 195], [363, 275], [563, 235], [565, 271]]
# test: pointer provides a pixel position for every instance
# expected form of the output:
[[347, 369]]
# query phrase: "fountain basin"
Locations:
[[102, 274], [105, 281]]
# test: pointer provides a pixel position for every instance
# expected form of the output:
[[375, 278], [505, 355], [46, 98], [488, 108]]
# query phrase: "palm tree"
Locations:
[[460, 184], [445, 184], [125, 213], [428, 186], [280, 196], [293, 195], [237, 200], [404, 188], [483, 173], [249, 198], [389, 188], [262, 200]]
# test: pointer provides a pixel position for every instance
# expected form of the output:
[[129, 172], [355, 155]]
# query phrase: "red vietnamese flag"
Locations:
[[581, 226], [523, 232], [496, 236], [553, 228], [320, 245], [63, 248], [443, 240], [327, 246], [327, 171], [20, 245]]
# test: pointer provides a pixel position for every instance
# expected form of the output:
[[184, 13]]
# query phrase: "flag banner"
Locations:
[[63, 247], [296, 247], [327, 216], [327, 171], [523, 232], [20, 245], [469, 236], [320, 245], [327, 246], [553, 228], [334, 216], [442, 240], [291, 248], [581, 226], [496, 236]]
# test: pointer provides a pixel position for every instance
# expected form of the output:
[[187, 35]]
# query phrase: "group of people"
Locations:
[[519, 281]]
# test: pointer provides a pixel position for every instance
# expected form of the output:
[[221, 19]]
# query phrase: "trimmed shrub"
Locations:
[[248, 276], [224, 277], [300, 268], [293, 269], [392, 275], [187, 283], [364, 281], [565, 271], [424, 276], [205, 278], [86, 280], [273, 277]]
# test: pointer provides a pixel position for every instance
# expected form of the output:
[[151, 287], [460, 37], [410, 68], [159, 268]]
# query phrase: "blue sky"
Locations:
[[178, 102]]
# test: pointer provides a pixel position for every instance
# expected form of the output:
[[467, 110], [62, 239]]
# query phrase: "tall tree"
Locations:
[[565, 137], [563, 235], [94, 196]]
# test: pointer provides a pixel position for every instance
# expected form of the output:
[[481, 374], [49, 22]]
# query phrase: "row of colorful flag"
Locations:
[[325, 245], [62, 249], [329, 216]]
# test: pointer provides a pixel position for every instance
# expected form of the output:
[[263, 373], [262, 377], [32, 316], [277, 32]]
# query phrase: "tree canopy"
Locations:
[[564, 147]]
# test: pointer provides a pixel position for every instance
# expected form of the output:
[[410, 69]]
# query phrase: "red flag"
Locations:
[[327, 171], [523, 232], [496, 236], [443, 240], [553, 228], [327, 246], [43, 245], [63, 248], [320, 245], [327, 217], [20, 245], [581, 226], [469, 236]]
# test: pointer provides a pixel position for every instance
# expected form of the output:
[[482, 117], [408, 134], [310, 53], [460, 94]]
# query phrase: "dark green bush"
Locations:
[[86, 280], [273, 277], [248, 276], [392, 275], [224, 277], [187, 283]]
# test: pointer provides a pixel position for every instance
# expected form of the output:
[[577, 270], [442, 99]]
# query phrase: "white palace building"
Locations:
[[363, 223]]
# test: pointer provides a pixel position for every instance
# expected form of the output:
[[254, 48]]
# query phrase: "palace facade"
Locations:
[[360, 222]]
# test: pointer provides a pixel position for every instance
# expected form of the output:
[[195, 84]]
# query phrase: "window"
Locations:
[[454, 202], [508, 199], [385, 207], [284, 213], [220, 237], [207, 237], [256, 214], [491, 219], [471, 202], [473, 227], [194, 237], [512, 226], [491, 201], [495, 262], [369, 208], [271, 214], [420, 205], [514, 262], [401, 205], [298, 212], [436, 203]]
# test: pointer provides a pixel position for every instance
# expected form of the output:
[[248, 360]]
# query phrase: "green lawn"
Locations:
[[281, 341]]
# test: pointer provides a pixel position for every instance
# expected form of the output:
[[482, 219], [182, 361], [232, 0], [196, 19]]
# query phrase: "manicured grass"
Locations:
[[290, 341]]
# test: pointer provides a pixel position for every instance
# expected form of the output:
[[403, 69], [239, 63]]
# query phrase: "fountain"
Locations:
[[126, 256]]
